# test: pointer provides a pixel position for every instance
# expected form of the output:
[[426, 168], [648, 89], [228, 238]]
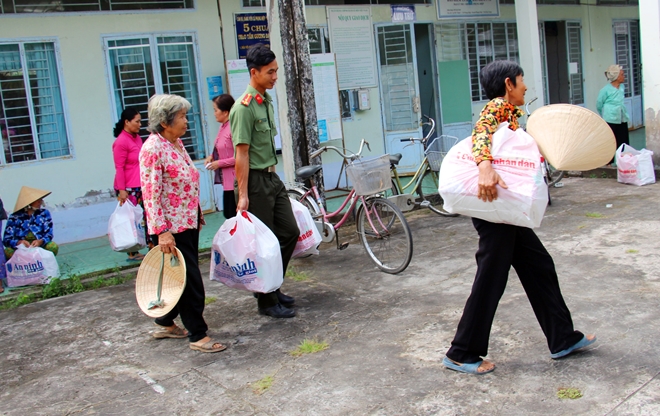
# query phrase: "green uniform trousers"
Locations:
[[269, 201]]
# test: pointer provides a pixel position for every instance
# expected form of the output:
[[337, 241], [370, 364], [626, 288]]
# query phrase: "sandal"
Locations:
[[469, 368], [176, 332], [207, 346], [137, 257], [580, 344]]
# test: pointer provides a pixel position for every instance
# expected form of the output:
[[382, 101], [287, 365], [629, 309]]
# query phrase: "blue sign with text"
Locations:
[[251, 28]]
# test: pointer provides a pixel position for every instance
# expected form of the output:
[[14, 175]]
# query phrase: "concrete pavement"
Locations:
[[91, 353]]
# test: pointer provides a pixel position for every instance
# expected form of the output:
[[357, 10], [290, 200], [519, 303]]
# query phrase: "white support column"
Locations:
[[529, 49], [649, 22], [282, 99]]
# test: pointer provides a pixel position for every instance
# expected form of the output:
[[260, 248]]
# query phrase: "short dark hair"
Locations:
[[259, 55], [224, 102], [127, 115], [493, 75]]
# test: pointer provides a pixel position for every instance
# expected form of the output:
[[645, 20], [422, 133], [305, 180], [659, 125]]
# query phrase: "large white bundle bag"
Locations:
[[634, 166], [517, 160], [246, 255], [31, 266], [310, 237]]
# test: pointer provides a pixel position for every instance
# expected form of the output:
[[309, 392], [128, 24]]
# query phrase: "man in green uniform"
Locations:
[[258, 188]]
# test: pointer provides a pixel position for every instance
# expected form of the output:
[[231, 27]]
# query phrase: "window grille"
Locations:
[[62, 6], [479, 44], [32, 122], [262, 3], [135, 78], [627, 50]]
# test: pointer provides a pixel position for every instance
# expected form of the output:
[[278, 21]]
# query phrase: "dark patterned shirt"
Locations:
[[20, 224], [497, 111]]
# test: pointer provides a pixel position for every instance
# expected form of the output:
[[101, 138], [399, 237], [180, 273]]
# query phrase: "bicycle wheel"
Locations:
[[385, 235], [553, 174], [308, 201], [428, 190]]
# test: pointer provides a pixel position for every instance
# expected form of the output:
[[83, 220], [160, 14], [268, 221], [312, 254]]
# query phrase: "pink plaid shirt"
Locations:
[[170, 187]]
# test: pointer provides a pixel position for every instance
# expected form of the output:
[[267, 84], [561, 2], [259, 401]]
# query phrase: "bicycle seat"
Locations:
[[395, 158], [307, 171]]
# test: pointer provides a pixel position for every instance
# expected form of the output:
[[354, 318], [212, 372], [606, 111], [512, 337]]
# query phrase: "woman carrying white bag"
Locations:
[[502, 246]]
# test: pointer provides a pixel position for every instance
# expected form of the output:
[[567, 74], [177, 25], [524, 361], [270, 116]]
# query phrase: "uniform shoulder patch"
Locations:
[[259, 99], [246, 100]]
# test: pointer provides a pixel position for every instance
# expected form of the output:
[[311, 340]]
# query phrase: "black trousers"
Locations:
[[620, 133], [191, 303], [270, 203], [500, 247], [228, 204]]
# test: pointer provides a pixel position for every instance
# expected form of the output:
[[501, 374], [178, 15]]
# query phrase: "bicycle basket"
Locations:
[[370, 176], [437, 150]]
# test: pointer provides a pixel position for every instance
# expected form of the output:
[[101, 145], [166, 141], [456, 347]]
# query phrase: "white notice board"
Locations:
[[326, 96], [238, 78], [352, 41]]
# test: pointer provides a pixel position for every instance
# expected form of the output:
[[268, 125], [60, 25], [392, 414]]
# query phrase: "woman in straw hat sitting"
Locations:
[[30, 224], [170, 191], [502, 246], [610, 104]]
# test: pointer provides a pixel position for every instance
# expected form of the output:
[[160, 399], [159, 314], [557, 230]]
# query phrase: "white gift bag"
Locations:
[[31, 266], [634, 166], [517, 160], [246, 255], [126, 228], [310, 237]]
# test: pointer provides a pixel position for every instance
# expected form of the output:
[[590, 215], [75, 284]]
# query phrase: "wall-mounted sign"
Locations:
[[215, 86], [403, 13], [467, 8], [352, 41], [251, 28]]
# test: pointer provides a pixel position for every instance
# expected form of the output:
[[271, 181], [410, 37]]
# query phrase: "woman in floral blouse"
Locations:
[[170, 190], [502, 246]]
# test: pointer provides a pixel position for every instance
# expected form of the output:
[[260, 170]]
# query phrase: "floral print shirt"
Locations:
[[20, 224], [170, 187], [497, 111]]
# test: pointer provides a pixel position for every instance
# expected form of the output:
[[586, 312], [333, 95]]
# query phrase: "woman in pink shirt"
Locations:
[[126, 151], [225, 148]]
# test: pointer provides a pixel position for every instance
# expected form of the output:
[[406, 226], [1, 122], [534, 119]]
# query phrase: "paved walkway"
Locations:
[[91, 352]]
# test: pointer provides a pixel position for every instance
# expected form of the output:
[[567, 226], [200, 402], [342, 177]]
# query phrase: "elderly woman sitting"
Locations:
[[30, 224], [170, 192]]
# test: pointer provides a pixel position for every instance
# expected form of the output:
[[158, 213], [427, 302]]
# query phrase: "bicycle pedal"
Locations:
[[343, 246], [559, 185], [425, 203]]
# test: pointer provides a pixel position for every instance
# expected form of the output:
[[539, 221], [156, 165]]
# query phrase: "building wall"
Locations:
[[81, 201]]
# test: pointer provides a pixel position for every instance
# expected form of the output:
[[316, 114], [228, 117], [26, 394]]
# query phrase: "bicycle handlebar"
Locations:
[[349, 156], [424, 139], [528, 104]]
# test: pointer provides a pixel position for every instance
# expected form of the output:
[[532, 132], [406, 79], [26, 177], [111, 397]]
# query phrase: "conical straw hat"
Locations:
[[146, 284], [29, 195], [571, 137]]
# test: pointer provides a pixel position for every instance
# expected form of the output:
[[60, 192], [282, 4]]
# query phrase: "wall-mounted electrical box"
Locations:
[[363, 100]]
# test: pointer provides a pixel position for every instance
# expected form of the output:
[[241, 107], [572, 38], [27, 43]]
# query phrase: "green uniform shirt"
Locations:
[[253, 123]]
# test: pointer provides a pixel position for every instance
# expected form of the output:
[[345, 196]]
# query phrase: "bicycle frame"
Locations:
[[416, 179]]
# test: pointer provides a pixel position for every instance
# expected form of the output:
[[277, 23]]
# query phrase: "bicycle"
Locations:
[[425, 180], [552, 176], [381, 226]]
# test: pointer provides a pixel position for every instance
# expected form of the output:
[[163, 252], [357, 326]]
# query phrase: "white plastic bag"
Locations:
[[126, 228], [310, 237], [246, 255], [634, 166], [31, 266], [518, 162]]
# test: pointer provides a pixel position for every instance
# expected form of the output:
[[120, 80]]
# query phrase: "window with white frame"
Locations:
[[32, 122], [479, 44], [153, 64], [627, 50], [62, 6], [319, 41]]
